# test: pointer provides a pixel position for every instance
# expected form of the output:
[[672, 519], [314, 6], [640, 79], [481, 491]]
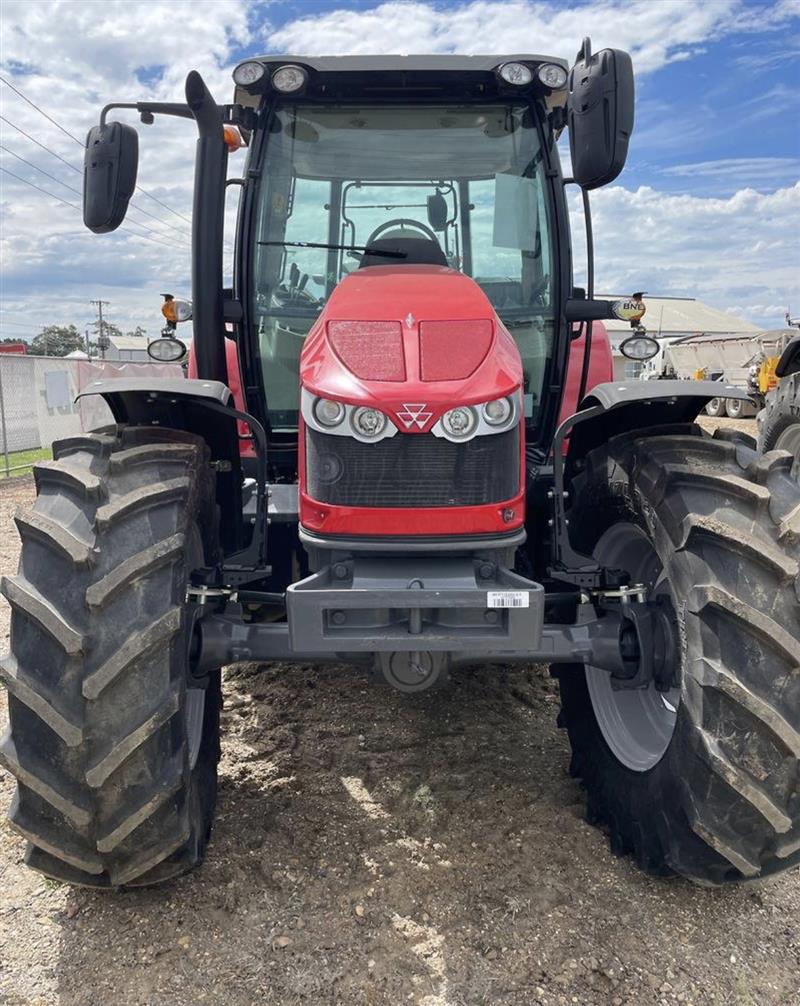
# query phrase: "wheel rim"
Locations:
[[637, 723], [713, 407], [789, 440]]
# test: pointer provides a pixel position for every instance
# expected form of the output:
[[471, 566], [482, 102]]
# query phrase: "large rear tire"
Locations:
[[713, 795], [115, 754], [779, 420]]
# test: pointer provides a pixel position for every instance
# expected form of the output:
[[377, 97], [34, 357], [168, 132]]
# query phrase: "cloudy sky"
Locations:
[[708, 205]]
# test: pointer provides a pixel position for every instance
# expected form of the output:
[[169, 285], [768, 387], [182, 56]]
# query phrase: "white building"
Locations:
[[671, 318], [128, 348]]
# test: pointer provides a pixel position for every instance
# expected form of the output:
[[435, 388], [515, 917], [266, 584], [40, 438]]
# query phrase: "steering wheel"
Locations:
[[402, 223]]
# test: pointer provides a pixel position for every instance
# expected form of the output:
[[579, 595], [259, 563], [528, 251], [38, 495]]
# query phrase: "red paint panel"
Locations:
[[601, 369], [246, 448], [497, 518], [372, 350], [452, 350]]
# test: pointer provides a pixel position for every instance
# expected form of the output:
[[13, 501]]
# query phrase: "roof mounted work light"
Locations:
[[289, 79], [516, 73], [248, 73], [553, 76]]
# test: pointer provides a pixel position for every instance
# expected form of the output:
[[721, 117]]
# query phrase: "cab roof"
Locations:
[[371, 75]]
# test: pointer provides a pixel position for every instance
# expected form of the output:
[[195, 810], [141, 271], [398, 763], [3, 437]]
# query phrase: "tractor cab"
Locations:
[[351, 187]]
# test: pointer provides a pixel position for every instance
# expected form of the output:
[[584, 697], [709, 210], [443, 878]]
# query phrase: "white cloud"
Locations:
[[654, 33], [72, 57], [737, 253]]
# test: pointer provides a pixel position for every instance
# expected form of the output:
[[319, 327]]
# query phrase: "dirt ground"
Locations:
[[372, 848]]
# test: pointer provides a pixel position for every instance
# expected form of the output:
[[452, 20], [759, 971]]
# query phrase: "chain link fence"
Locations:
[[37, 401]]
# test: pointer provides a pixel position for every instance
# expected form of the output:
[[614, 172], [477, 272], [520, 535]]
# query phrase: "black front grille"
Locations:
[[412, 470]]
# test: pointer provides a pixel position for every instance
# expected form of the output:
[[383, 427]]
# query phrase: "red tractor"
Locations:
[[411, 497]]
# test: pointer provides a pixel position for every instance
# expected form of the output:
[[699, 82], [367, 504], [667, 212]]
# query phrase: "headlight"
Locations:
[[289, 79], [460, 423], [553, 76], [516, 73], [327, 412], [368, 422], [498, 412]]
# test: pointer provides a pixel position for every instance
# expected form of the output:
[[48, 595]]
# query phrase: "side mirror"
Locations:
[[109, 175], [437, 211], [599, 114]]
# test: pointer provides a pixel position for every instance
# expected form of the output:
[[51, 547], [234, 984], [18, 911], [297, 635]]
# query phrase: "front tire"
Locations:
[[114, 752], [717, 799]]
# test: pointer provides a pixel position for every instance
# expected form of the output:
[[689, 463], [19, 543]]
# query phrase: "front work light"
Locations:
[[553, 76], [248, 73], [516, 73], [639, 347], [166, 350], [289, 79]]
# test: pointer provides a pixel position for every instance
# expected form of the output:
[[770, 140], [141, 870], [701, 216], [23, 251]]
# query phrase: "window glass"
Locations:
[[460, 185]]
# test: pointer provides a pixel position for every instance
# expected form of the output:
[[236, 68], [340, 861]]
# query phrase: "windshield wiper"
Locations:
[[355, 248]]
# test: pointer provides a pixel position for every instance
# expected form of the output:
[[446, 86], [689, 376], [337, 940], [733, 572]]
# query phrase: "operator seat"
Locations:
[[416, 250]]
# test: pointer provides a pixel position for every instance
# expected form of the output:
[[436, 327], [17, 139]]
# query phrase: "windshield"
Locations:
[[457, 185]]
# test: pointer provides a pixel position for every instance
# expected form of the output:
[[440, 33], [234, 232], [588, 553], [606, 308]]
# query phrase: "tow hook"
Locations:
[[413, 670]]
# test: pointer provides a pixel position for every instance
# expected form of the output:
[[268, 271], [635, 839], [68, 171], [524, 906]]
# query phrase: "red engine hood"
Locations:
[[413, 340]]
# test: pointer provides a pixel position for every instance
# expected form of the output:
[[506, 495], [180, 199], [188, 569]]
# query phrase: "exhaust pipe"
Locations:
[[208, 215]]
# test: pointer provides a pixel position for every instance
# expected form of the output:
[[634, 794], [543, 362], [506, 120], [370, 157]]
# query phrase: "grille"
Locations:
[[412, 470]]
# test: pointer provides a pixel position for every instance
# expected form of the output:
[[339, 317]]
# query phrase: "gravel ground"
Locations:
[[374, 849]]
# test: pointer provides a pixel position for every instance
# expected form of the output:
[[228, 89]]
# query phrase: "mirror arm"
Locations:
[[587, 344], [579, 310], [147, 109]]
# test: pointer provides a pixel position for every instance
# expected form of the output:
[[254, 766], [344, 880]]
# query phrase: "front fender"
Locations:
[[618, 407], [196, 406]]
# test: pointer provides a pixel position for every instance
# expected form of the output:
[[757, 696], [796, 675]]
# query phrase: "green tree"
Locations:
[[57, 340], [111, 330]]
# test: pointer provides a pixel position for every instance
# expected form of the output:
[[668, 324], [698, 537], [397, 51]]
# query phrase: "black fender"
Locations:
[[204, 408], [789, 362], [613, 408], [608, 410]]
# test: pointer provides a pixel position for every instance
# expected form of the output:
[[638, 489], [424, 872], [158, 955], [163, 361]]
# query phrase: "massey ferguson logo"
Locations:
[[414, 414]]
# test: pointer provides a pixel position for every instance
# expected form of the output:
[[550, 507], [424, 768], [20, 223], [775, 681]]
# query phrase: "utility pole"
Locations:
[[88, 345], [102, 341]]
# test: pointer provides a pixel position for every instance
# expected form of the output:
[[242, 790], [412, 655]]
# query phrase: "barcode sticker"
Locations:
[[507, 599]]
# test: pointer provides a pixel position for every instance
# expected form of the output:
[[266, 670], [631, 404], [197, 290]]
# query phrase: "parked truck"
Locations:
[[413, 499], [735, 359]]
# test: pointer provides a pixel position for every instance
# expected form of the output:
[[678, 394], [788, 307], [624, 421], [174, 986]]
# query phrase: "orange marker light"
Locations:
[[176, 310], [233, 138]]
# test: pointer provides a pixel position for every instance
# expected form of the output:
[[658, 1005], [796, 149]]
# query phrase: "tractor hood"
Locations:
[[412, 341]]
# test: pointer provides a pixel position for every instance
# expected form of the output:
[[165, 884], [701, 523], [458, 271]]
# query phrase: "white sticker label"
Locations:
[[507, 599]]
